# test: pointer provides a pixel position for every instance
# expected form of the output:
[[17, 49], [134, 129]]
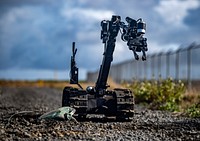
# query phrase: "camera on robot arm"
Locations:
[[110, 28], [132, 33]]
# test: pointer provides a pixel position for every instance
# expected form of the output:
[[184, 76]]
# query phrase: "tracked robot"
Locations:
[[98, 99]]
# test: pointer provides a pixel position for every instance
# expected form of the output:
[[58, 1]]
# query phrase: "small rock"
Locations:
[[27, 134], [54, 133], [39, 134], [2, 131], [110, 127], [60, 134], [134, 127]]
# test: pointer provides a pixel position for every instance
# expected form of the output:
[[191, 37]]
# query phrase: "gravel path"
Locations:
[[146, 125]]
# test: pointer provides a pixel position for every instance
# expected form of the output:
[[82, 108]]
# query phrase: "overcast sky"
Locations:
[[36, 35]]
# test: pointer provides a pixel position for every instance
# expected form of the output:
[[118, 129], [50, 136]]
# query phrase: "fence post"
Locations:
[[183, 64], [152, 65], [159, 64], [168, 64], [139, 70], [136, 70], [177, 64], [189, 65], [145, 69]]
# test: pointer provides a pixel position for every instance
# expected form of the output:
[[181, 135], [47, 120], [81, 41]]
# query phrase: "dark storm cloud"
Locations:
[[6, 5], [33, 36], [184, 35], [16, 3], [38, 33], [26, 42], [171, 22], [193, 20]]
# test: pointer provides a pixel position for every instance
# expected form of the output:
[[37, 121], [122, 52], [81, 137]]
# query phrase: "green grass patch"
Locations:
[[169, 95], [159, 94]]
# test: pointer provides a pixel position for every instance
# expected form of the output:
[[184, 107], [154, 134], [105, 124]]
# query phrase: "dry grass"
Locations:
[[190, 97], [51, 84], [38, 83]]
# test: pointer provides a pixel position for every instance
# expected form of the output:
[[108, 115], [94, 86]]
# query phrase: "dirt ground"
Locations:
[[20, 108]]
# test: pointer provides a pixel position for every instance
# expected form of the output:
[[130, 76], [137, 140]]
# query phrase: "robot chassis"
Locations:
[[97, 99]]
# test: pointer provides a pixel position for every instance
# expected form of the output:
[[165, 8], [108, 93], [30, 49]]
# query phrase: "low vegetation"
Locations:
[[194, 110], [167, 95], [160, 94]]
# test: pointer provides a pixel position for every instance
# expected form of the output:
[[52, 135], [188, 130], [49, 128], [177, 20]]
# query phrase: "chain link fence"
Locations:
[[182, 64]]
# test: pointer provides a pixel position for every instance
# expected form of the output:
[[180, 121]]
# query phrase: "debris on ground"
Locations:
[[63, 113], [146, 124]]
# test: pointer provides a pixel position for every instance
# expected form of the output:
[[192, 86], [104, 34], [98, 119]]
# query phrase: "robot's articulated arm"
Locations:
[[132, 33]]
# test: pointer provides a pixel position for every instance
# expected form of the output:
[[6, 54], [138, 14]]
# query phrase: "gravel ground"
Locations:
[[21, 107]]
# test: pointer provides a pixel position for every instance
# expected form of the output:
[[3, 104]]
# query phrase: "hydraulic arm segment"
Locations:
[[97, 99]]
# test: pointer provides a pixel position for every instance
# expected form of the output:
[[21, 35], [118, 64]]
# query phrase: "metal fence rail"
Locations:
[[182, 64]]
